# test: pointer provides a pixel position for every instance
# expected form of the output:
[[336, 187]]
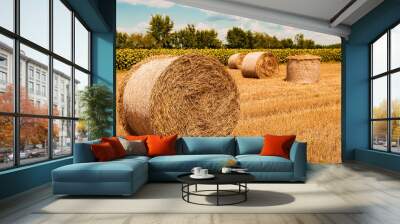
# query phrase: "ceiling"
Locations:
[[333, 17]]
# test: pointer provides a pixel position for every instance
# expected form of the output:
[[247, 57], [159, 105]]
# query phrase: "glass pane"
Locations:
[[81, 45], [34, 97], [33, 140], [35, 21], [379, 55], [62, 29], [395, 94], [81, 131], [81, 81], [379, 97], [62, 89], [6, 74], [7, 14], [395, 136], [395, 47], [379, 135], [6, 142], [62, 138]]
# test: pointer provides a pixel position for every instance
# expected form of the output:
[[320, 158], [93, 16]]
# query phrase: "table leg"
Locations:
[[195, 188], [245, 193], [217, 194], [188, 190]]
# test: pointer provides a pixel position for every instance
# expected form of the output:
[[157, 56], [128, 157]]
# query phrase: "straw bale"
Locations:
[[259, 65], [189, 95]]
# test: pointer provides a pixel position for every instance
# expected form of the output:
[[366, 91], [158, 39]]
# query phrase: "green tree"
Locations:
[[97, 104], [207, 39], [121, 40], [287, 43], [302, 43], [185, 38], [249, 40], [160, 29], [236, 38]]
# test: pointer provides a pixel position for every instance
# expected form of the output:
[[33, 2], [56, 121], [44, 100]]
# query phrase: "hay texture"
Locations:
[[303, 69], [259, 65], [235, 60], [189, 95]]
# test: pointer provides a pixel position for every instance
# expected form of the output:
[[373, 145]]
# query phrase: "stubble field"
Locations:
[[310, 111]]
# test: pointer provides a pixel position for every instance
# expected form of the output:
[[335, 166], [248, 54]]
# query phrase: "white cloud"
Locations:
[[150, 3], [139, 28]]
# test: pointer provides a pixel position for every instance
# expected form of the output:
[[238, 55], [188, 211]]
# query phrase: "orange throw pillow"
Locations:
[[277, 145], [116, 145], [103, 152], [134, 137], [161, 145]]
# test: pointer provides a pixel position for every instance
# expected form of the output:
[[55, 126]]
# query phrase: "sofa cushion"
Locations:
[[161, 145], [257, 163], [185, 163], [275, 145], [112, 171], [116, 145], [103, 152], [134, 147], [206, 145], [249, 145]]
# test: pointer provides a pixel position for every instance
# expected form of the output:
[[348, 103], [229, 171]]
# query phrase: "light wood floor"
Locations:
[[379, 189]]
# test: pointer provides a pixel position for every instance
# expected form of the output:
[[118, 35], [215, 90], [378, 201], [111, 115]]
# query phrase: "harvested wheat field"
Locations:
[[311, 111]]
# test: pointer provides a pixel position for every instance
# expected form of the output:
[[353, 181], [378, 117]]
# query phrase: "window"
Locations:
[[37, 89], [30, 72], [37, 74], [81, 82], [62, 74], [7, 14], [62, 137], [44, 91], [62, 29], [46, 75], [6, 73], [3, 72], [30, 87], [3, 61], [6, 142], [385, 94], [35, 21], [3, 78], [81, 45]]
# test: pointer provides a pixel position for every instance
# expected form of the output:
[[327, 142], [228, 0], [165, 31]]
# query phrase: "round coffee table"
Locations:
[[238, 179]]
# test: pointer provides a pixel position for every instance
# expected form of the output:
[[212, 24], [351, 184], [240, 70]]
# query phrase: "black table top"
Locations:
[[220, 178]]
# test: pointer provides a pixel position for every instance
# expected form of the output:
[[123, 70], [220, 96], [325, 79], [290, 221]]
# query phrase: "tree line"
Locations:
[[160, 34]]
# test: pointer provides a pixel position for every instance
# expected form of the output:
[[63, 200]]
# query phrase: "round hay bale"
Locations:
[[189, 95], [259, 65], [235, 60], [303, 69]]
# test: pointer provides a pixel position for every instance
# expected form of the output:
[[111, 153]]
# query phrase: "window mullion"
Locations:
[[16, 84], [73, 82], [50, 81], [389, 101]]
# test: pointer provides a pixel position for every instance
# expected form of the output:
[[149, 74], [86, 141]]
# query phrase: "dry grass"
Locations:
[[311, 111]]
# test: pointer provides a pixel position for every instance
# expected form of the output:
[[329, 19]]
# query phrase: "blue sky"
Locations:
[[134, 16]]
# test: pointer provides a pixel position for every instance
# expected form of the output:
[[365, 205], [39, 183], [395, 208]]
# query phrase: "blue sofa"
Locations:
[[125, 176]]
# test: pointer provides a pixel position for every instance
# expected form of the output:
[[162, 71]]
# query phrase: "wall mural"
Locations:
[[176, 75]]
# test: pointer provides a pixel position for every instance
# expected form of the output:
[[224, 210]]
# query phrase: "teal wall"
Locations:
[[355, 93], [100, 16]]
